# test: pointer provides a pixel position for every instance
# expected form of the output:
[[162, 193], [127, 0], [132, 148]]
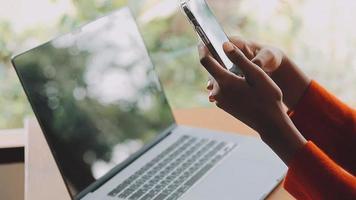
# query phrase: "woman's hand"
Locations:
[[254, 99], [292, 81]]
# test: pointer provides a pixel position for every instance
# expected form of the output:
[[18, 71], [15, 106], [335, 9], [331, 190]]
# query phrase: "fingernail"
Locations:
[[211, 99], [229, 46]]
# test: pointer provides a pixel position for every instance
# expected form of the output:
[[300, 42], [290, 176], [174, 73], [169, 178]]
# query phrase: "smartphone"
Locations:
[[209, 30]]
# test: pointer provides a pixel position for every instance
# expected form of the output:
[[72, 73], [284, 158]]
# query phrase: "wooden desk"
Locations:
[[43, 180]]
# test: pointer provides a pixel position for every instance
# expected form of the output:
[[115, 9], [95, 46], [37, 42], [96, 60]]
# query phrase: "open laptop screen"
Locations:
[[96, 95]]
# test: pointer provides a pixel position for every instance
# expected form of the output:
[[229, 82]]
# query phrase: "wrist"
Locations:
[[291, 80], [282, 137]]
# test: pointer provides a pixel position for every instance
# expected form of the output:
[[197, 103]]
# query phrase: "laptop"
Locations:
[[105, 116]]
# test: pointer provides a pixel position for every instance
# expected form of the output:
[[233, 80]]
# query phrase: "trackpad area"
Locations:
[[250, 171]]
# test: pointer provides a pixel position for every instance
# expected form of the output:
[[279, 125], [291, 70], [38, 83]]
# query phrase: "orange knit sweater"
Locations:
[[325, 167]]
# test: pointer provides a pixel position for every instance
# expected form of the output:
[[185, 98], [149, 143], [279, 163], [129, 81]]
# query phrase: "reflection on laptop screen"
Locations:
[[96, 95]]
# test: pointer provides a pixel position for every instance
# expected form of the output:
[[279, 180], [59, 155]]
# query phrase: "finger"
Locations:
[[211, 65], [249, 48], [214, 92], [251, 71], [267, 60], [243, 46], [238, 40], [210, 83], [203, 49], [211, 97]]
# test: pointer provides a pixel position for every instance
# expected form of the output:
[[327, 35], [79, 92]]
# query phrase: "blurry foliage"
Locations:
[[87, 10], [318, 38], [13, 102]]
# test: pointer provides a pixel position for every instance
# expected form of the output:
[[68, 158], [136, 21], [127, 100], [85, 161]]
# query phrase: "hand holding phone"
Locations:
[[208, 29]]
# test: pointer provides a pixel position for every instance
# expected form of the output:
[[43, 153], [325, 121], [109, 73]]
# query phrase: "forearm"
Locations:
[[292, 81], [282, 136]]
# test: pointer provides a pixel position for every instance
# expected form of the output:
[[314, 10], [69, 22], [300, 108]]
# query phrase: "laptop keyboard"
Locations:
[[176, 169]]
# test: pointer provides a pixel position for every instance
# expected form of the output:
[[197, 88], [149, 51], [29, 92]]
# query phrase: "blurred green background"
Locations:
[[318, 34]]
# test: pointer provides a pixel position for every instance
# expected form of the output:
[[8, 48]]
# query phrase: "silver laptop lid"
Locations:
[[96, 96]]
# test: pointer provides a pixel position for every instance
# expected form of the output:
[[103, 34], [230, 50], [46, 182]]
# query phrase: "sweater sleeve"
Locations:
[[329, 124], [313, 175]]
